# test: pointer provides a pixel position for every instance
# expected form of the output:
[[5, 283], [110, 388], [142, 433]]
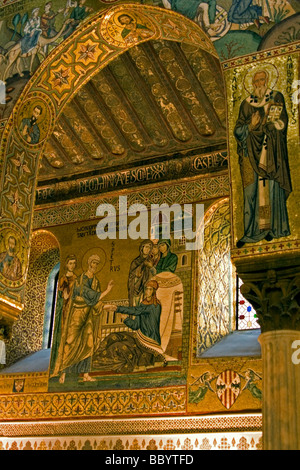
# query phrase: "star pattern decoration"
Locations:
[[87, 52], [15, 201], [21, 164], [61, 77]]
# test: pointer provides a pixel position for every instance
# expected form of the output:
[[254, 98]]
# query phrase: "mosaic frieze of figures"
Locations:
[[30, 30]]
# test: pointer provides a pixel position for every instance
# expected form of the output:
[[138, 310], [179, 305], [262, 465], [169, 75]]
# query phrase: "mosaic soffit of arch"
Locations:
[[157, 100]]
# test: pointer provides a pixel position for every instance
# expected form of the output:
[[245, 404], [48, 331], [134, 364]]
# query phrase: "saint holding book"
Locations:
[[261, 135]]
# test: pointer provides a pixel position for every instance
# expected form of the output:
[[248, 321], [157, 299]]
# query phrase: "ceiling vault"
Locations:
[[158, 100]]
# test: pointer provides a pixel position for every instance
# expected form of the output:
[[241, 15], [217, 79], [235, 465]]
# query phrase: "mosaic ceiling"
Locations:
[[158, 100]]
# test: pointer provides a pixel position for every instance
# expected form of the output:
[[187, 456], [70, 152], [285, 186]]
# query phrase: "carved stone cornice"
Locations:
[[275, 295]]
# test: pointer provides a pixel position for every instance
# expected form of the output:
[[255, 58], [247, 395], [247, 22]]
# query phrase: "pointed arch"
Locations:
[[70, 66], [214, 279], [30, 326]]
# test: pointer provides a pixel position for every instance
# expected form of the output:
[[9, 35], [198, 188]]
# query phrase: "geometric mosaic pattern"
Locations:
[[92, 404], [181, 442], [214, 284], [27, 331], [183, 193], [204, 424]]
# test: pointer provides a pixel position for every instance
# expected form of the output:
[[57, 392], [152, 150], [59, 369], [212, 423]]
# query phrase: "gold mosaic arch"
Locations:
[[95, 44], [211, 279]]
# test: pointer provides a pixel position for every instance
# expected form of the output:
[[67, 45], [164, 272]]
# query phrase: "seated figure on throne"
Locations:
[[139, 347]]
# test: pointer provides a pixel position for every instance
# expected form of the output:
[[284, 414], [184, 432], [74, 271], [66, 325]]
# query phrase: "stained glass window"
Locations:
[[246, 315]]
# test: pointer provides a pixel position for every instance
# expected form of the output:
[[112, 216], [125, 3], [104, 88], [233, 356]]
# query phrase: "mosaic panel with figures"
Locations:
[[232, 34]]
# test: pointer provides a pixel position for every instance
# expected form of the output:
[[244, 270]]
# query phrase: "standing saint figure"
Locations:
[[140, 271], [80, 336], [168, 260], [261, 135], [64, 298]]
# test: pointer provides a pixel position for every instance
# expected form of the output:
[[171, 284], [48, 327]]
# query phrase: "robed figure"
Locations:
[[261, 134], [32, 32], [80, 335], [140, 346], [140, 272]]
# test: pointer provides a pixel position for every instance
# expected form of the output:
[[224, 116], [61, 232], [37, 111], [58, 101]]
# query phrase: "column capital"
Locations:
[[275, 295]]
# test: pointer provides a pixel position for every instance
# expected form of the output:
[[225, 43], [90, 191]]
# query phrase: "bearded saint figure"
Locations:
[[10, 265], [261, 135]]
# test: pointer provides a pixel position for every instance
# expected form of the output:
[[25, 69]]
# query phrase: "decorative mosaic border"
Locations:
[[251, 422], [181, 442], [208, 187], [140, 175], [261, 55], [141, 402], [266, 249]]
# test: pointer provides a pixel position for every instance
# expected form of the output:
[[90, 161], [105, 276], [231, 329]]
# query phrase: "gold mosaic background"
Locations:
[[27, 332], [215, 284], [287, 65]]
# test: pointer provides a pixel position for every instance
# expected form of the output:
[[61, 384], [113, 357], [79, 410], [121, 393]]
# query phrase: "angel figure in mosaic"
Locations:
[[203, 385], [252, 378]]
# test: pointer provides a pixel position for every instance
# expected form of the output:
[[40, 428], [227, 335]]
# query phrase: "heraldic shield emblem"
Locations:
[[228, 387]]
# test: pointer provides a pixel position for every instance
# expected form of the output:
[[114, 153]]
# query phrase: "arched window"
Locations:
[[28, 333], [216, 282], [246, 318]]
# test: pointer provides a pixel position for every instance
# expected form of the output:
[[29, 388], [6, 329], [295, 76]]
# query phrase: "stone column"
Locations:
[[275, 295]]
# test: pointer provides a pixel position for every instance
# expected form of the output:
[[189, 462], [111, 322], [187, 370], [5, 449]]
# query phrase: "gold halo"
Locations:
[[26, 112], [94, 251], [31, 107], [11, 234], [272, 71], [117, 21]]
